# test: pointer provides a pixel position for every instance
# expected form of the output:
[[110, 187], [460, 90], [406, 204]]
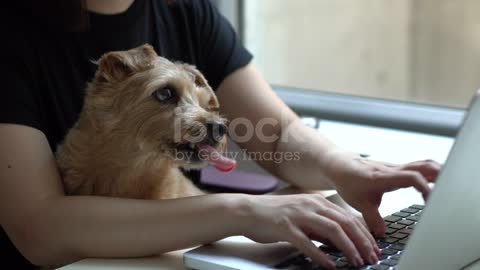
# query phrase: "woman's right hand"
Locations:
[[298, 219]]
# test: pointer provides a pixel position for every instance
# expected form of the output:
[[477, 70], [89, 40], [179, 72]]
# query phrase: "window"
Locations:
[[424, 51]]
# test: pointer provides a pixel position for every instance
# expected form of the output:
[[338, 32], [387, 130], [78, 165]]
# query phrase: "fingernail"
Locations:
[[358, 261], [377, 250], [373, 258], [331, 265]]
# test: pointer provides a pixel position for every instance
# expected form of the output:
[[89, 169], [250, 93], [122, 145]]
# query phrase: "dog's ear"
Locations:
[[116, 66]]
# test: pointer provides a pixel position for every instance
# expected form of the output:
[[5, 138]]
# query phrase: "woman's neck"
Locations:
[[108, 7]]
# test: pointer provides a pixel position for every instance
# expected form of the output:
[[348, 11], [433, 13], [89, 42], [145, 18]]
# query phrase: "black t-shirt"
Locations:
[[44, 73]]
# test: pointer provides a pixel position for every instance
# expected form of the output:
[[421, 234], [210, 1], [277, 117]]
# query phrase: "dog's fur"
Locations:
[[124, 143]]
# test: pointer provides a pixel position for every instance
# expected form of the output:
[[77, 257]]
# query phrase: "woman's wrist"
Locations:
[[237, 213], [337, 162]]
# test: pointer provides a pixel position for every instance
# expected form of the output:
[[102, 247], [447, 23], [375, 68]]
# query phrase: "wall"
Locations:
[[416, 50]]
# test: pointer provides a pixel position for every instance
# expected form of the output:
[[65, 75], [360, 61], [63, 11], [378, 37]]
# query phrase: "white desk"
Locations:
[[387, 144], [381, 144]]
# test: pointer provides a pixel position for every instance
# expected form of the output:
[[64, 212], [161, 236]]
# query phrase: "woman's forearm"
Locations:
[[250, 97], [72, 228]]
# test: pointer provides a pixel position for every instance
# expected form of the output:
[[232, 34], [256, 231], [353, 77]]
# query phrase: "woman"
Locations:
[[46, 62]]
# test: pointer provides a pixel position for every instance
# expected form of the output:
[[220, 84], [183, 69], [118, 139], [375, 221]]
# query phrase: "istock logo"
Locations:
[[240, 130]]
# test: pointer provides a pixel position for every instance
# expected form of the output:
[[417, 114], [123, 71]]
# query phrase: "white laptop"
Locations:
[[443, 235]]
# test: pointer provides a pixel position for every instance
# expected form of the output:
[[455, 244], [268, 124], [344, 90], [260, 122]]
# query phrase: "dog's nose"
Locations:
[[216, 130]]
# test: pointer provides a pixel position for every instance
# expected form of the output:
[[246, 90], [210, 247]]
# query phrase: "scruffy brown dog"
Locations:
[[143, 118]]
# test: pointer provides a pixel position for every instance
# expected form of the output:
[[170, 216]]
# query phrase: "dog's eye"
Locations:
[[166, 94]]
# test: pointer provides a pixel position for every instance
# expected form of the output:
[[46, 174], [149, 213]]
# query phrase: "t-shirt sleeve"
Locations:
[[18, 104], [220, 50]]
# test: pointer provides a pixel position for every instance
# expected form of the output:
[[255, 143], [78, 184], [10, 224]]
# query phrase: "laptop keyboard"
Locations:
[[399, 226]]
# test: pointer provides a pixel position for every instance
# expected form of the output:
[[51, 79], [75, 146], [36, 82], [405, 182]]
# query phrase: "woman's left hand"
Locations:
[[362, 182]]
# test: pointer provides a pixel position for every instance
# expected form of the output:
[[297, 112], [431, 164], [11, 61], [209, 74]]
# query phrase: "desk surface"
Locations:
[[381, 144]]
